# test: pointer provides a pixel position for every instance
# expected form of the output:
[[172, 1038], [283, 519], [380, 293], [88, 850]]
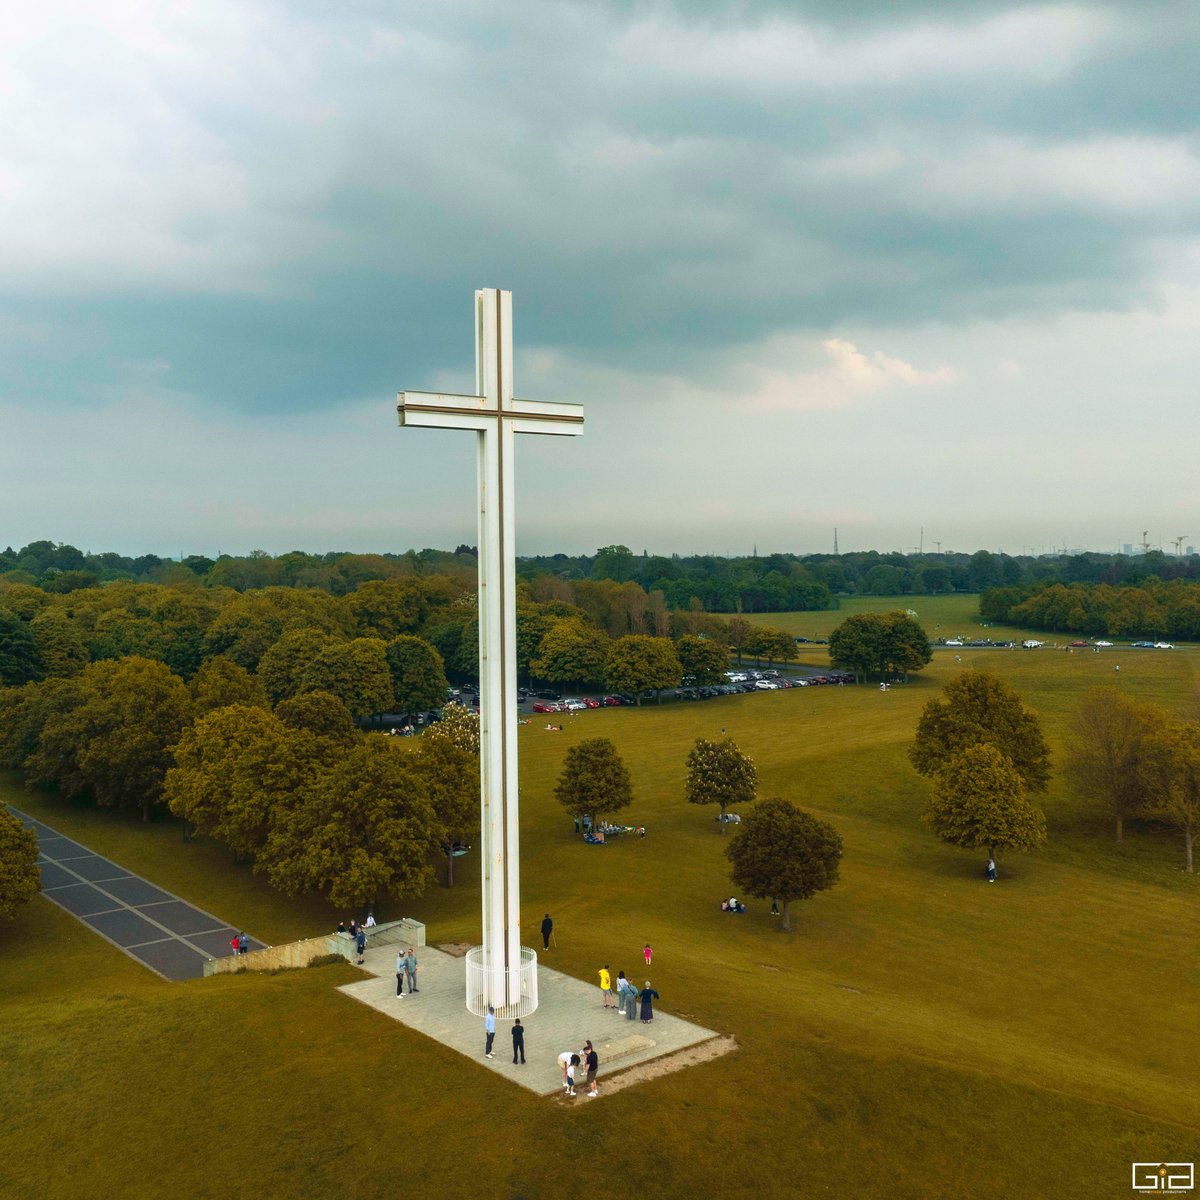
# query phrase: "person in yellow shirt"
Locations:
[[606, 986]]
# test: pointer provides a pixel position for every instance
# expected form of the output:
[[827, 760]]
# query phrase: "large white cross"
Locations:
[[495, 416]]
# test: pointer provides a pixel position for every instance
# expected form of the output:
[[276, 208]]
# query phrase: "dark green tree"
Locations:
[[571, 652], [977, 708], [115, 742], [979, 798], [451, 776], [220, 682], [361, 830], [640, 663], [20, 877], [61, 647], [418, 674], [595, 781], [784, 853], [321, 714], [20, 661], [703, 660], [719, 773]]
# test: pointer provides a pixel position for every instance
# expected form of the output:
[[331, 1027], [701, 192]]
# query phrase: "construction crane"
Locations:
[[1179, 545], [1145, 544]]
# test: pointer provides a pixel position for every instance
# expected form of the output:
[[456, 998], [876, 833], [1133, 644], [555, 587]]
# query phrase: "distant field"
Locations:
[[942, 616], [921, 1034]]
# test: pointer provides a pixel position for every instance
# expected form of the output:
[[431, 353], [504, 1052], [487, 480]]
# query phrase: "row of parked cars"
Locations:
[[547, 700]]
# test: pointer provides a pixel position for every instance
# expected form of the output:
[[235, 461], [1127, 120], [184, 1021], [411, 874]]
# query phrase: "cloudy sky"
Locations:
[[880, 266]]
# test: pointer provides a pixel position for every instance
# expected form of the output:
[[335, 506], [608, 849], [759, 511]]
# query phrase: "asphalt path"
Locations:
[[163, 932]]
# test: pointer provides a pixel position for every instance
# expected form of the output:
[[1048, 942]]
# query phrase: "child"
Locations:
[[648, 954]]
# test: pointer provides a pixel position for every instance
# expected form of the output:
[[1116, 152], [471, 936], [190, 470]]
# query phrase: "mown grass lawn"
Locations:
[[944, 617], [919, 1034]]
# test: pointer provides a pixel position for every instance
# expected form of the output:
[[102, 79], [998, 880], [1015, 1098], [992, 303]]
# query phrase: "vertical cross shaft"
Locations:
[[495, 416], [501, 860]]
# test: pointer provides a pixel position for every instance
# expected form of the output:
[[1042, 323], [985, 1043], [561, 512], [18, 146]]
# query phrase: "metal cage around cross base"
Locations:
[[511, 991]]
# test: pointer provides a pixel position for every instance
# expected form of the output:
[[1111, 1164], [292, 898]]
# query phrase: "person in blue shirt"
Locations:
[[360, 943], [489, 1027]]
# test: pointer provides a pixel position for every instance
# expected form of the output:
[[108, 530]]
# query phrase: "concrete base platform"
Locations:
[[569, 1012]]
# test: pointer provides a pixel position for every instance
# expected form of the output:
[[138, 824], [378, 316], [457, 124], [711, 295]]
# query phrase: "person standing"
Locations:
[[243, 943], [571, 1074], [360, 942], [370, 920], [547, 930], [410, 966], [400, 974], [593, 1065], [648, 995], [234, 945], [606, 986], [489, 1028], [648, 954], [518, 1037], [991, 870]]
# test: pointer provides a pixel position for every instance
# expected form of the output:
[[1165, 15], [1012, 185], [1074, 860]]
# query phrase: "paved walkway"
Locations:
[[569, 1012], [160, 930]]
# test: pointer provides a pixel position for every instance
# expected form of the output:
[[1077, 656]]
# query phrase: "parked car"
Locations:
[[548, 694], [591, 702], [1163, 646], [1078, 643], [1143, 645], [574, 705], [1103, 643], [613, 701], [955, 642], [545, 706]]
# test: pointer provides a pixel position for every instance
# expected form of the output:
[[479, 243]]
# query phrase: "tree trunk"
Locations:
[[450, 868], [786, 922], [145, 810], [721, 820], [1120, 828], [1189, 833]]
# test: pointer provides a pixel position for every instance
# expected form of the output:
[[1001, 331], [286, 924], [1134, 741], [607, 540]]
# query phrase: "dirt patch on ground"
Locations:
[[454, 949], [691, 1057]]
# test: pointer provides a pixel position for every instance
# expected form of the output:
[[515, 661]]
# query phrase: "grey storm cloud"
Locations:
[[279, 201], [276, 210]]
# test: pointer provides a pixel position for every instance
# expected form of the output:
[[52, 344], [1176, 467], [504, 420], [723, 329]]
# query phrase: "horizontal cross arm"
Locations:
[[533, 416], [438, 410]]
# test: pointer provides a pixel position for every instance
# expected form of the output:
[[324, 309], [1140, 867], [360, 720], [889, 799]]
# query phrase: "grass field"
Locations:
[[942, 617], [919, 1034]]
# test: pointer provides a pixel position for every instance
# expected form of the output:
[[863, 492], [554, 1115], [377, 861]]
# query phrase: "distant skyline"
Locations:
[[806, 265]]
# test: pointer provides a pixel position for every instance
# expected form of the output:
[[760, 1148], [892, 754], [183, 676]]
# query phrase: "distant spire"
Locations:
[[835, 549]]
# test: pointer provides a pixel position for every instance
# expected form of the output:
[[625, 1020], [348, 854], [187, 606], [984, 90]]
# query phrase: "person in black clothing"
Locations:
[[593, 1064], [518, 1036], [547, 929]]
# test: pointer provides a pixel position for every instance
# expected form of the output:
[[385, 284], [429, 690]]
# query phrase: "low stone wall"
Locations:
[[300, 954], [272, 958]]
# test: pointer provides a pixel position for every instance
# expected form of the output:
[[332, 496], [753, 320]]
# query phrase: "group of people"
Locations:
[[625, 996], [570, 1061], [406, 968], [240, 943], [358, 933]]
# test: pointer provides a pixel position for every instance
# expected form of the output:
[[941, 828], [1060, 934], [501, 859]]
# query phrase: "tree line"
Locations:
[[777, 582], [1152, 607]]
